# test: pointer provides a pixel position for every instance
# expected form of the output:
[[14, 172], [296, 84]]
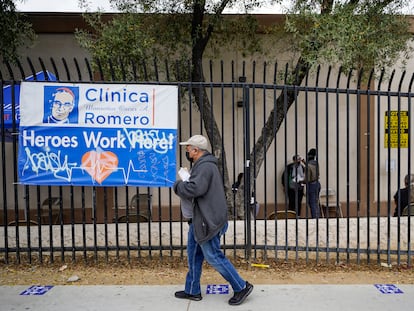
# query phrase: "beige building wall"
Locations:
[[324, 129]]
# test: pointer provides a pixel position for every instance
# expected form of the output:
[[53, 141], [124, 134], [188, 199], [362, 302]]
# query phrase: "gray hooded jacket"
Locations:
[[205, 188]]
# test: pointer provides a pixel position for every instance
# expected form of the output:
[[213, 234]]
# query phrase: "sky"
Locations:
[[58, 5], [104, 5]]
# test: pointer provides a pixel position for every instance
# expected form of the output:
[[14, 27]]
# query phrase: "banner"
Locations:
[[97, 134]]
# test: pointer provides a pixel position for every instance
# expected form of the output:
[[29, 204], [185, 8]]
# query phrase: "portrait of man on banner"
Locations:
[[61, 105]]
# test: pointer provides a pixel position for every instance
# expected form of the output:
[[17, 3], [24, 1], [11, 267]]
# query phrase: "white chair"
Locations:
[[408, 210], [142, 204], [140, 209], [329, 203], [282, 215], [51, 214]]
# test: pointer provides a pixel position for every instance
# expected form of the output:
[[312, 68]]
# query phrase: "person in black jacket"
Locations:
[[313, 186], [401, 196], [293, 179], [208, 222]]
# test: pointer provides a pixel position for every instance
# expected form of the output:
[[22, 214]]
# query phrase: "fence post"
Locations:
[[247, 181]]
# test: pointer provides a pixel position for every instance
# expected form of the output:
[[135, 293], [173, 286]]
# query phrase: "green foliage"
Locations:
[[119, 41], [15, 31], [238, 33], [175, 37], [351, 35]]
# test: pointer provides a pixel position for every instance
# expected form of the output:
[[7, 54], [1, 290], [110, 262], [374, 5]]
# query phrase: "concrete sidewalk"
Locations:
[[161, 298]]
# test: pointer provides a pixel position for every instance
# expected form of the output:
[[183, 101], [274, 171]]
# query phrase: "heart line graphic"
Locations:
[[99, 164]]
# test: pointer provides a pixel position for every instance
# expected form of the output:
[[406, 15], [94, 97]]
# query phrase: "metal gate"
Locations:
[[359, 123]]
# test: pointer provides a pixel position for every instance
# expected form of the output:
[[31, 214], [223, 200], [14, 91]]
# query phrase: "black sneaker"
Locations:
[[241, 296], [183, 295]]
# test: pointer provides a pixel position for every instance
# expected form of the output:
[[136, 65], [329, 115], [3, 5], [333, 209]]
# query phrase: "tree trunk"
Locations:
[[201, 98], [272, 124], [213, 132], [271, 127]]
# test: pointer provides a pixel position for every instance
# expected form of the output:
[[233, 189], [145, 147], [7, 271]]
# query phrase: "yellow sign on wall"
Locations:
[[397, 122]]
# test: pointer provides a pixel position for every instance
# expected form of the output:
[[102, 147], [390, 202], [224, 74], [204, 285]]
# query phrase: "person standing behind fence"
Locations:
[[294, 176], [313, 186], [401, 197], [207, 224]]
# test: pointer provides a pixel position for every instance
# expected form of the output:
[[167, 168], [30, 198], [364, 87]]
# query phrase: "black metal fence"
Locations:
[[359, 123]]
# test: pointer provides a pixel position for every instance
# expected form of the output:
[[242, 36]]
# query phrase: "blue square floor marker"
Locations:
[[388, 289], [222, 289], [36, 290]]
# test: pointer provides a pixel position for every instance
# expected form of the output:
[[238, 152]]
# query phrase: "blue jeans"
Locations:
[[313, 189], [211, 252]]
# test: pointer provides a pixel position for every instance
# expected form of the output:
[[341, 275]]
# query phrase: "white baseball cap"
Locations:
[[296, 157], [198, 141]]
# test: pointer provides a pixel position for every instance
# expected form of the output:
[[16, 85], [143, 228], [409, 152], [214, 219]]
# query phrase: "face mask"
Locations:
[[187, 155]]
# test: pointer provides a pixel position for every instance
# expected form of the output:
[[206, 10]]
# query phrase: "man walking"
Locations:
[[207, 224]]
